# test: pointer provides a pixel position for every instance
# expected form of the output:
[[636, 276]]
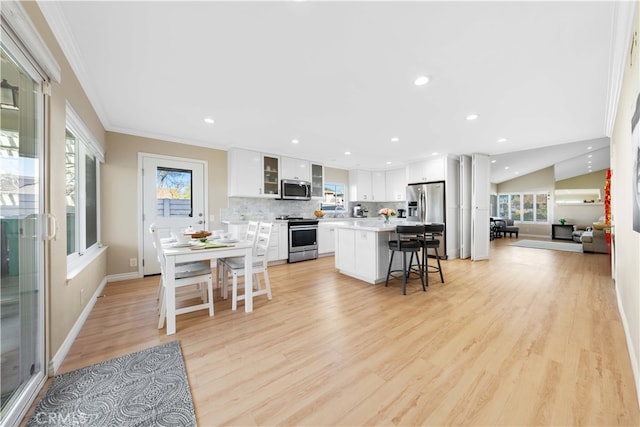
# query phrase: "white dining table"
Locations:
[[175, 255]]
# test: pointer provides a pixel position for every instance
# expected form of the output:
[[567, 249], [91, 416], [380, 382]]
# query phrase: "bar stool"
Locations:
[[408, 240], [430, 242]]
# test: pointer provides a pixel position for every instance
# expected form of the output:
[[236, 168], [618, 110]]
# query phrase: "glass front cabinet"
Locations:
[[317, 180], [270, 174]]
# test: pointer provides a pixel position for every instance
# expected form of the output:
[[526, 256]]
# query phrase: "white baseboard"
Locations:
[[58, 358], [122, 276], [633, 356]]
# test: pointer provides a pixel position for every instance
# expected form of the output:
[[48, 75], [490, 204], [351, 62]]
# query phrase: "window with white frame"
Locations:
[[82, 171], [524, 207], [334, 197]]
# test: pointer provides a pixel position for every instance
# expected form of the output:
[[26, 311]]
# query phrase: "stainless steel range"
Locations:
[[303, 239]]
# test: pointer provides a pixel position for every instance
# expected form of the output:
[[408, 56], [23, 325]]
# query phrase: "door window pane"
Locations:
[[71, 190], [527, 207], [514, 213], [21, 246], [91, 202], [503, 206], [541, 207], [173, 192]]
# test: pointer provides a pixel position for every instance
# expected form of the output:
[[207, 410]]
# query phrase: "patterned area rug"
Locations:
[[543, 244], [145, 388]]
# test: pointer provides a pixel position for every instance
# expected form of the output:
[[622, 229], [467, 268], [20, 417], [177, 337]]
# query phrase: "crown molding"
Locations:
[[15, 17], [53, 14], [624, 14]]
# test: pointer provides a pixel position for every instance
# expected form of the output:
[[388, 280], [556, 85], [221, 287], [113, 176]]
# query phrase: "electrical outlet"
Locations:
[[133, 262], [81, 296], [212, 218]]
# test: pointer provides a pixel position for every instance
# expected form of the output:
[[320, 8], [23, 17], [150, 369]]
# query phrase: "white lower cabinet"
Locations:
[[283, 241], [278, 243], [363, 254], [327, 237], [345, 258]]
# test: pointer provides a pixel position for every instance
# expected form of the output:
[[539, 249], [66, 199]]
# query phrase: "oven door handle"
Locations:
[[302, 227]]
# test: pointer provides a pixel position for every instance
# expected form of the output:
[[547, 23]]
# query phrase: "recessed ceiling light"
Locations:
[[502, 140], [421, 81], [294, 141], [347, 153], [589, 162], [388, 163], [493, 161], [589, 147], [395, 139], [506, 167], [590, 156], [472, 117], [209, 120], [517, 173], [434, 153]]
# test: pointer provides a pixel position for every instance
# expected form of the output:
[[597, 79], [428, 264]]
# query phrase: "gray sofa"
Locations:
[[594, 240], [510, 228]]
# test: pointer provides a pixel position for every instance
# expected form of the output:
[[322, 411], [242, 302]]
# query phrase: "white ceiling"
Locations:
[[338, 76]]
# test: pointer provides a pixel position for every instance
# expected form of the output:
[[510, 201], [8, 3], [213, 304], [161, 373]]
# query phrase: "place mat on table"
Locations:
[[210, 246]]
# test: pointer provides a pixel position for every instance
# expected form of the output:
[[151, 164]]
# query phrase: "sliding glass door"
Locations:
[[21, 243]]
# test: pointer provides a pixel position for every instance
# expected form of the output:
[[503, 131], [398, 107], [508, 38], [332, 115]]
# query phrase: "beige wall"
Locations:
[[336, 176], [63, 298], [626, 241], [587, 214], [590, 180], [120, 192]]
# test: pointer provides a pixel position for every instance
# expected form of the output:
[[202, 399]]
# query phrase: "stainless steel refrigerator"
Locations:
[[426, 203]]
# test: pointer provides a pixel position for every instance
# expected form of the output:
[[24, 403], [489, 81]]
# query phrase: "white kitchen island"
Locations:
[[362, 250]]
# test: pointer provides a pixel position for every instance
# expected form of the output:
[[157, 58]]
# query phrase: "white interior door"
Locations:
[[465, 207], [173, 197], [480, 201]]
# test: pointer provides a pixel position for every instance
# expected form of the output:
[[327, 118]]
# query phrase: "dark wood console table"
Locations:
[[562, 231]]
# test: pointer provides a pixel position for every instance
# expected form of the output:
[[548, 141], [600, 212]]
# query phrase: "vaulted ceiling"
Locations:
[[339, 76]]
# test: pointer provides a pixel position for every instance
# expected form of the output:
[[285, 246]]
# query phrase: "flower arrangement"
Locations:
[[386, 213]]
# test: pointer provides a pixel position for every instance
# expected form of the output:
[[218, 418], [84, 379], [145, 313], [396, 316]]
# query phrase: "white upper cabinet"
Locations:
[[427, 170], [378, 186], [244, 172], [270, 175], [360, 186], [295, 169], [252, 174], [317, 180], [396, 185]]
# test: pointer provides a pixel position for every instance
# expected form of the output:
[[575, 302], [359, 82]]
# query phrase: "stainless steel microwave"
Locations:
[[294, 189]]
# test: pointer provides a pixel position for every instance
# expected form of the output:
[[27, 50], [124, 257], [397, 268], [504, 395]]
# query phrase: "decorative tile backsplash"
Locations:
[[249, 208]]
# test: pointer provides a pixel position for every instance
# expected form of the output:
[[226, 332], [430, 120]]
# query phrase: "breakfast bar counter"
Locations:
[[362, 249]]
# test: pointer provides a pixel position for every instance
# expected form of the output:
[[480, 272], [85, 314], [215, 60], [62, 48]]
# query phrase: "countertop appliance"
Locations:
[[426, 203], [303, 238], [294, 189], [401, 213], [359, 211]]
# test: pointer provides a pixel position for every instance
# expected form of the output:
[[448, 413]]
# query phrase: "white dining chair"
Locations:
[[189, 280], [250, 235], [234, 267]]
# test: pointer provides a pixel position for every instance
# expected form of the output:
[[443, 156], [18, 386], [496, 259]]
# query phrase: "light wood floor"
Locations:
[[530, 337]]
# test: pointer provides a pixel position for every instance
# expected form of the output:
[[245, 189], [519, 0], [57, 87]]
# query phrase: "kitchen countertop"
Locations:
[[374, 224]]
